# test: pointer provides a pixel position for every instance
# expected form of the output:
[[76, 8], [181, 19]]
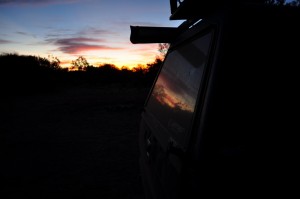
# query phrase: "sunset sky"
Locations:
[[99, 30]]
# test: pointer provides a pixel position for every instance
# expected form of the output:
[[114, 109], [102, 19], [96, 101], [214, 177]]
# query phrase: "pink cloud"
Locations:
[[78, 45], [3, 41]]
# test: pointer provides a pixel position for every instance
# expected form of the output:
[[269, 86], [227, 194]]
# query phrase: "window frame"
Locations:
[[194, 35]]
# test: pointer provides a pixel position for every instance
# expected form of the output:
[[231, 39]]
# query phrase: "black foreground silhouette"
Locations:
[[77, 143], [70, 134]]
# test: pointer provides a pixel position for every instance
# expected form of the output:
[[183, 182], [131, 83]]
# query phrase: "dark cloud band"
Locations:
[[35, 1], [3, 41], [80, 44]]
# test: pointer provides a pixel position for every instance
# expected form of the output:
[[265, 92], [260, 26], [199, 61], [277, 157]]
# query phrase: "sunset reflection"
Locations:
[[166, 97], [175, 92]]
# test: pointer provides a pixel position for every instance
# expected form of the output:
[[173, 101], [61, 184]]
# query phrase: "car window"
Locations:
[[174, 95]]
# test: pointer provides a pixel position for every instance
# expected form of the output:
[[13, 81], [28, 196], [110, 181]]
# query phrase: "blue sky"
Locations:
[[99, 30]]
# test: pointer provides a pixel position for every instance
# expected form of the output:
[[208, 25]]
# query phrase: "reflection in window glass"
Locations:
[[175, 92]]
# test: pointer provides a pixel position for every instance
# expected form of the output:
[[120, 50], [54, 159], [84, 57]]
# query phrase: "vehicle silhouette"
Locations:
[[219, 119]]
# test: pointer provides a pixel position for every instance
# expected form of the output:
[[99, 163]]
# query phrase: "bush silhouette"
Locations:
[[27, 74]]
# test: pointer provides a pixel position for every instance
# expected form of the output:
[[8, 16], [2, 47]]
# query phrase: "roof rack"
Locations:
[[193, 9], [148, 34]]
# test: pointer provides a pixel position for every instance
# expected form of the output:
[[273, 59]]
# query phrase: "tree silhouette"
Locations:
[[27, 74], [163, 49], [80, 63], [54, 62]]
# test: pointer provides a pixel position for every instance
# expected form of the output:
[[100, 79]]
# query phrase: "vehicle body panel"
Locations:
[[219, 108]]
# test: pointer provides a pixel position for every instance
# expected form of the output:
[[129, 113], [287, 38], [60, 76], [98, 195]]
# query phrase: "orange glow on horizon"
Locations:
[[165, 96], [96, 62], [130, 56], [134, 66]]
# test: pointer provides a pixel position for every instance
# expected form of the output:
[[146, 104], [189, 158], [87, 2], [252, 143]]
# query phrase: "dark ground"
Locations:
[[76, 143]]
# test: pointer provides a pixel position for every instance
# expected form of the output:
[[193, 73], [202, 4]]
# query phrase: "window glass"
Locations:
[[175, 92]]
